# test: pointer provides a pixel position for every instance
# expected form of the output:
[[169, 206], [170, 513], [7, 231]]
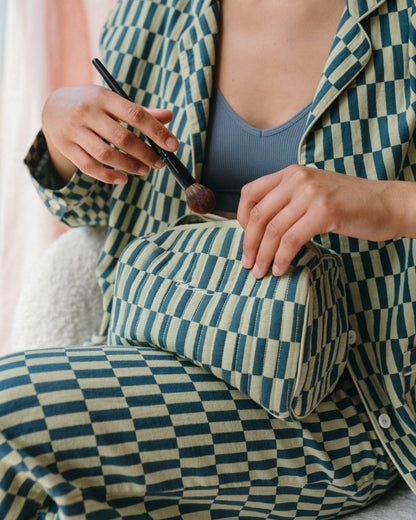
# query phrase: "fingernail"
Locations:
[[159, 163], [120, 180], [276, 270], [256, 271], [143, 169], [244, 262], [171, 143]]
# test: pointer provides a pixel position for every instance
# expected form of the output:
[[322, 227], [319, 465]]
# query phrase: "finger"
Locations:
[[292, 240], [161, 114], [126, 141], [260, 217], [91, 167], [107, 155], [252, 193], [271, 239], [141, 119]]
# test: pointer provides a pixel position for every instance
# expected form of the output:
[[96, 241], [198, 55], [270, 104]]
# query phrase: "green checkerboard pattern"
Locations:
[[99, 433], [281, 340], [362, 124]]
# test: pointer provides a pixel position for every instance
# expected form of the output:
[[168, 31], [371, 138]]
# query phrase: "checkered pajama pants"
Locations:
[[106, 433]]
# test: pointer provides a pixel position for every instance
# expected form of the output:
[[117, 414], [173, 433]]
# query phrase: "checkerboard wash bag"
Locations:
[[283, 341]]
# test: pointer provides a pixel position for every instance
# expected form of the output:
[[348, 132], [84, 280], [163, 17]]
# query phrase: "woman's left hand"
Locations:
[[280, 212]]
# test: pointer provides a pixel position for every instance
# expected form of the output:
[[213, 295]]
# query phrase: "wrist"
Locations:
[[64, 168]]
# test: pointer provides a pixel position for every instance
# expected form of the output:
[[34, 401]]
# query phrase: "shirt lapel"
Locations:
[[197, 57], [349, 54]]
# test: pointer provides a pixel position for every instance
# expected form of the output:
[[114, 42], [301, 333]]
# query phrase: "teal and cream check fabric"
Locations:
[[280, 340], [133, 433], [362, 124]]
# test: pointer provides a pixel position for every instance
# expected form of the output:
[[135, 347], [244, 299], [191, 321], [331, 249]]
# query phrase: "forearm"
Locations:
[[400, 197]]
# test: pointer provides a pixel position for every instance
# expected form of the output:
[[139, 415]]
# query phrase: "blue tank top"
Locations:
[[237, 153]]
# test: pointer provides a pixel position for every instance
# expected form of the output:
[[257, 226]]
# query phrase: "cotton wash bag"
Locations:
[[281, 340]]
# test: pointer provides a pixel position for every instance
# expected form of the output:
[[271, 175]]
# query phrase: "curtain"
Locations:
[[44, 45]]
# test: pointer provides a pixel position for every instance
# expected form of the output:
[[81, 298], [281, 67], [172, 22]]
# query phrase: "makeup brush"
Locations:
[[200, 199]]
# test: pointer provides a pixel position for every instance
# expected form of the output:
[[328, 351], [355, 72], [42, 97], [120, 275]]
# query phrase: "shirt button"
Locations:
[[352, 337], [384, 421]]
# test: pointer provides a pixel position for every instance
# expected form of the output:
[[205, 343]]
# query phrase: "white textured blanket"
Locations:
[[60, 304]]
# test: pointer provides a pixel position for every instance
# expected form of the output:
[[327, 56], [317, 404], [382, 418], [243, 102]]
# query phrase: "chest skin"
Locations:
[[271, 55]]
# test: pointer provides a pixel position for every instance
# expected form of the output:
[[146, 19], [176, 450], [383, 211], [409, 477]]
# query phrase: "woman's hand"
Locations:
[[282, 211], [79, 124]]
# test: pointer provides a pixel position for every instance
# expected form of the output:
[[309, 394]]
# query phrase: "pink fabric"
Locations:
[[68, 44], [48, 44]]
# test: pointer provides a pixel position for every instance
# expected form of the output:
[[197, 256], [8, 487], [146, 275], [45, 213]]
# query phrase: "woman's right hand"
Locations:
[[80, 122]]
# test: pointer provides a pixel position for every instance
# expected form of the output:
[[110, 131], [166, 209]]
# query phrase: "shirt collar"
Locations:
[[359, 9]]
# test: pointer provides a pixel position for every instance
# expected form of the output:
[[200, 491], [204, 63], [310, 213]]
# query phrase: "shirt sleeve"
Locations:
[[83, 201]]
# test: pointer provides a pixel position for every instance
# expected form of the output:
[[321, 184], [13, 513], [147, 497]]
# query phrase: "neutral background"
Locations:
[[44, 45]]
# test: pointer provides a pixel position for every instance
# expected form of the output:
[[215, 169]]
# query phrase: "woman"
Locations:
[[131, 432]]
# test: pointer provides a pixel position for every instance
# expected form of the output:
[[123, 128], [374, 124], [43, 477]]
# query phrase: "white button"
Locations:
[[54, 204], [384, 420], [352, 337]]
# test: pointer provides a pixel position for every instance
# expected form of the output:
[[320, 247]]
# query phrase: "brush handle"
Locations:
[[177, 168]]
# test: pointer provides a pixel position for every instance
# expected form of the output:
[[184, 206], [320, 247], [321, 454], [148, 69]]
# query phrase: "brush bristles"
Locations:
[[200, 198]]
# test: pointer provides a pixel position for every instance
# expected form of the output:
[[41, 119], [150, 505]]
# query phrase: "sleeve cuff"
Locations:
[[40, 165], [69, 202]]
